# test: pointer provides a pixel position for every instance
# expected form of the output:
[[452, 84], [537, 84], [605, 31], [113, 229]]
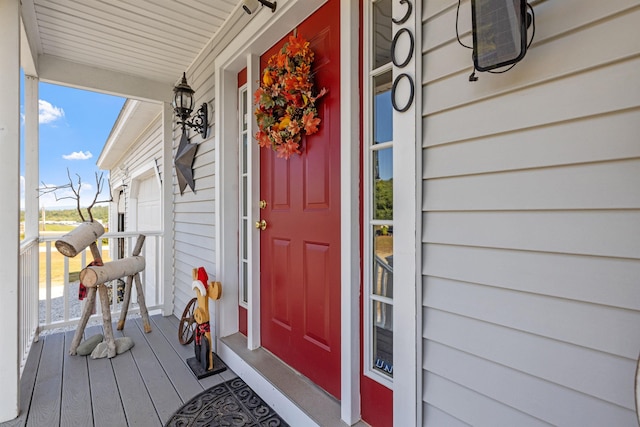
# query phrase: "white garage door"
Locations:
[[148, 219]]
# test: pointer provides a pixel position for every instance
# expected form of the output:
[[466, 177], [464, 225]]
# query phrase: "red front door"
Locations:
[[300, 247]]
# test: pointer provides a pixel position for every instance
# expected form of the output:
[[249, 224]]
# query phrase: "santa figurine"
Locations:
[[204, 290]]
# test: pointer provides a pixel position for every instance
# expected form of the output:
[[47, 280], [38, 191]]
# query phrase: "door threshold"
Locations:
[[293, 396]]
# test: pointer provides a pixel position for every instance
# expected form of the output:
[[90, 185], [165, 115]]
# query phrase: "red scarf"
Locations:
[[82, 290], [202, 329]]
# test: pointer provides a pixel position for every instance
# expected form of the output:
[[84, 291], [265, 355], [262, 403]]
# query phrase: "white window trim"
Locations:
[[368, 221], [244, 89], [350, 209], [407, 195]]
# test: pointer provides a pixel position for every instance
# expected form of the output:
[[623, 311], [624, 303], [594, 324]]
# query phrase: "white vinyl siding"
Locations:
[[194, 212], [531, 222]]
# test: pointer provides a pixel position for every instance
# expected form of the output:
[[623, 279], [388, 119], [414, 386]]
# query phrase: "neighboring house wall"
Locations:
[[139, 160], [531, 222], [136, 175]]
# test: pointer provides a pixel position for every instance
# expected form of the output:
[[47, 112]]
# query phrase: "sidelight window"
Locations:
[[378, 178], [244, 201]]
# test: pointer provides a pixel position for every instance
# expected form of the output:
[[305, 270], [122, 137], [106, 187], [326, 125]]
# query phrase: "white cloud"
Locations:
[[78, 155], [49, 113]]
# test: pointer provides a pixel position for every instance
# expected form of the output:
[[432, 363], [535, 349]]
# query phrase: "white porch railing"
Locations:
[[28, 298], [59, 305]]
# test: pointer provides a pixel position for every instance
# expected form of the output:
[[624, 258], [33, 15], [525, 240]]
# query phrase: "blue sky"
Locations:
[[383, 132], [74, 126]]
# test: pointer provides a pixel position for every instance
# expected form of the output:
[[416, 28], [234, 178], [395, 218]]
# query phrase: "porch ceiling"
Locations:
[[150, 41]]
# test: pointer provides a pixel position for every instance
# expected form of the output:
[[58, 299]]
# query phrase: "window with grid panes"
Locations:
[[244, 202], [378, 177]]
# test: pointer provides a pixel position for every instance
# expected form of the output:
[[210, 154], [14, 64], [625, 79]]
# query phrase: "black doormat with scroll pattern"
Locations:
[[231, 403]]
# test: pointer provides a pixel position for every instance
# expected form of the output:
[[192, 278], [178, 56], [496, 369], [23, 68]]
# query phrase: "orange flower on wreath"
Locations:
[[296, 46], [286, 104], [310, 123]]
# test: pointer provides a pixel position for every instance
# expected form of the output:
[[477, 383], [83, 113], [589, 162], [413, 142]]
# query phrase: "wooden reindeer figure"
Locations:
[[205, 362], [95, 276]]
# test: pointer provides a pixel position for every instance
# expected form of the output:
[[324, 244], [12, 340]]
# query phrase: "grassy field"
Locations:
[[57, 265], [57, 260], [58, 228]]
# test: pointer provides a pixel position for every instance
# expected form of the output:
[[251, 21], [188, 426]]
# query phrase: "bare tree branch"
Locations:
[[77, 193], [46, 189], [99, 184]]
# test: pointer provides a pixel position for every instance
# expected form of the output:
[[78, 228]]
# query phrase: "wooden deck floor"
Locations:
[[142, 387]]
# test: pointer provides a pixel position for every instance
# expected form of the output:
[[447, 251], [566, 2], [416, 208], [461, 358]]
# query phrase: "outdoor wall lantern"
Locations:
[[183, 106], [251, 6], [499, 29], [186, 152]]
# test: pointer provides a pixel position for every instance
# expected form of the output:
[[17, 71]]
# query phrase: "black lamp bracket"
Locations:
[[199, 122], [270, 4]]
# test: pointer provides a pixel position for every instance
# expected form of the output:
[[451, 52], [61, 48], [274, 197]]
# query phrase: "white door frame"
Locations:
[[244, 51]]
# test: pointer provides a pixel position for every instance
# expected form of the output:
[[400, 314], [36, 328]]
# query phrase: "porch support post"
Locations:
[[10, 212], [32, 159], [350, 211], [166, 189]]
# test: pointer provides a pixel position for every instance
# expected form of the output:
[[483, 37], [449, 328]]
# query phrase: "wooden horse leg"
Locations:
[[106, 321], [142, 304], [127, 291], [125, 303], [86, 313]]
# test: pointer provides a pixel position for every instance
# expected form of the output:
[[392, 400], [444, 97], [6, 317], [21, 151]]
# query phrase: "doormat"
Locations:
[[232, 403]]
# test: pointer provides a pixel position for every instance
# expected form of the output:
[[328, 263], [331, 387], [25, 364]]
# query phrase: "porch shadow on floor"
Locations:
[[144, 386], [148, 384]]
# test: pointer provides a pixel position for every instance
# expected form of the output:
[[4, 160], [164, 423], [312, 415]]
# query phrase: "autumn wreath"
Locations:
[[286, 101]]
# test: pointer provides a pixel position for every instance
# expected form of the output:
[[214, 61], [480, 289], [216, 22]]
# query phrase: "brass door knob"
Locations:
[[262, 224], [263, 204]]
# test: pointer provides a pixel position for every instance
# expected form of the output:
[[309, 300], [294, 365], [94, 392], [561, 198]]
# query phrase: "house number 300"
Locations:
[[403, 32]]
